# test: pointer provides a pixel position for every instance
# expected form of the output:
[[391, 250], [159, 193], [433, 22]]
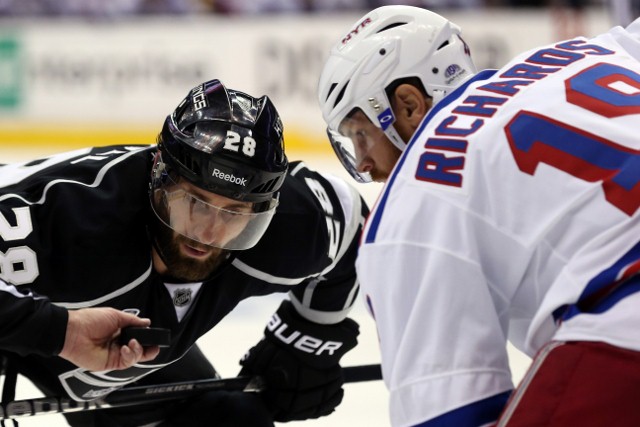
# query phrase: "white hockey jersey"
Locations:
[[513, 214]]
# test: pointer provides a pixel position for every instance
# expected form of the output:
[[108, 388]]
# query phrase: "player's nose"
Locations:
[[206, 231], [364, 163]]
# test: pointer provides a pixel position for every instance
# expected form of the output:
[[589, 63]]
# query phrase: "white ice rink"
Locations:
[[364, 404]]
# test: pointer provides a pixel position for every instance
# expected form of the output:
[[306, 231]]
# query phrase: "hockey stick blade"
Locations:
[[131, 396]]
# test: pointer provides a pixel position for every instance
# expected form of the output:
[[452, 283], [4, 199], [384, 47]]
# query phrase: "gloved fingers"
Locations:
[[302, 378], [326, 377], [300, 383], [307, 405]]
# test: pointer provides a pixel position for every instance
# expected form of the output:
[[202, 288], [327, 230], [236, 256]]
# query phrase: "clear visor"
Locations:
[[354, 136], [346, 152], [205, 217]]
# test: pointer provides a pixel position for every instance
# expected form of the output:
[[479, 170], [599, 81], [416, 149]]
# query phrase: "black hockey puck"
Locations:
[[147, 336]]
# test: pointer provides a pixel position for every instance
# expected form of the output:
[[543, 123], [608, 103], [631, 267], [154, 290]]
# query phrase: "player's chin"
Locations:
[[379, 177], [195, 268], [378, 174]]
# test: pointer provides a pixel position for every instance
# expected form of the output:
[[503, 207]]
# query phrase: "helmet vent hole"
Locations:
[[382, 52], [434, 70], [188, 130], [445, 44], [390, 26], [267, 187], [341, 94], [333, 86]]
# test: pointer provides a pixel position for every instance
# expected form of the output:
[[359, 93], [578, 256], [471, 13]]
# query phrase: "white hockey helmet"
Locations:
[[388, 44]]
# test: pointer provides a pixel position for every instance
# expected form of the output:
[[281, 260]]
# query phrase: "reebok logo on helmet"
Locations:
[[229, 177]]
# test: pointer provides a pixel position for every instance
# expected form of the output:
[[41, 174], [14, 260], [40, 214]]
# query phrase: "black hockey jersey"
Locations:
[[74, 228]]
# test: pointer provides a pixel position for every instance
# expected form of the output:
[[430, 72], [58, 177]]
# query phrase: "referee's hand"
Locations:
[[92, 343]]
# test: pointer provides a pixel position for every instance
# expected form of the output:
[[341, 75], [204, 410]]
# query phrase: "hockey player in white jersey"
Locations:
[[510, 211]]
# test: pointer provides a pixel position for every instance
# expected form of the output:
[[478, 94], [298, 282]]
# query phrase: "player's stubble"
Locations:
[[185, 267]]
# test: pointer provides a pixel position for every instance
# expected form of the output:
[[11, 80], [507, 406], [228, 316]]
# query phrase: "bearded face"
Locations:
[[187, 259], [197, 228]]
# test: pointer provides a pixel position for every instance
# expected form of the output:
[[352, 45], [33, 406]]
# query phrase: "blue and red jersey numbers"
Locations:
[[607, 90]]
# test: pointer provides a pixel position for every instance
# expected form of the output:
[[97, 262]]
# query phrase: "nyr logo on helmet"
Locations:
[[359, 27], [198, 98], [386, 118]]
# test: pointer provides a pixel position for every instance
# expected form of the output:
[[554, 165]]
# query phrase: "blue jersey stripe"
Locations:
[[607, 288], [374, 220], [476, 414]]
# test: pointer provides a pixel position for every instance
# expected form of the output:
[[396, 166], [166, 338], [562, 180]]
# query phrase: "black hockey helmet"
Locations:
[[226, 142]]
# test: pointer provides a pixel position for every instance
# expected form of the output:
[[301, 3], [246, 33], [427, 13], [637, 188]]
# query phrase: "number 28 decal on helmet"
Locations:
[[234, 141]]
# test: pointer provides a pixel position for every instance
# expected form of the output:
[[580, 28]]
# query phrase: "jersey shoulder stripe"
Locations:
[[111, 295], [481, 412], [14, 174]]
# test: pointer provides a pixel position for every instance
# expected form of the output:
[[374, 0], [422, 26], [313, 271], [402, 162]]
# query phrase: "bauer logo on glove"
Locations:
[[300, 341], [299, 361]]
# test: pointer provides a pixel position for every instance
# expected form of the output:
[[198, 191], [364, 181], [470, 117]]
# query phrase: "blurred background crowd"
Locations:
[[122, 8], [568, 15], [73, 71]]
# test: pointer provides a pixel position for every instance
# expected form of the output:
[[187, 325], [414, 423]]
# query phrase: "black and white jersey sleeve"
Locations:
[[311, 246], [29, 323], [75, 223]]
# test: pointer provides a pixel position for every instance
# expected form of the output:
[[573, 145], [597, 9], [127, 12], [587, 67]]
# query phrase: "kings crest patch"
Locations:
[[182, 297]]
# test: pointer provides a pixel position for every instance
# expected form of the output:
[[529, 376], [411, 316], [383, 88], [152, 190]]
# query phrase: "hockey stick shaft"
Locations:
[[131, 396]]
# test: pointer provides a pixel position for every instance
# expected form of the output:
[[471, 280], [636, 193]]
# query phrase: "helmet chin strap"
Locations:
[[395, 138], [152, 231]]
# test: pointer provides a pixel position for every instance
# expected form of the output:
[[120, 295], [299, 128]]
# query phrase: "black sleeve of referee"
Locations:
[[29, 323]]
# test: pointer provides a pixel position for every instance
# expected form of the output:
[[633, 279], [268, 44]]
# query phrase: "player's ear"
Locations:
[[410, 106]]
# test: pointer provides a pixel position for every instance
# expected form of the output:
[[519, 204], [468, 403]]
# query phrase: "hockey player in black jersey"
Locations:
[[179, 233]]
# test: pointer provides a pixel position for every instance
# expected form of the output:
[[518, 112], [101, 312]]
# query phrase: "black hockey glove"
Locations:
[[299, 362]]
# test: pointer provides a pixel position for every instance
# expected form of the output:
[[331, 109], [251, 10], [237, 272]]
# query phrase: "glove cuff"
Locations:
[[317, 345]]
